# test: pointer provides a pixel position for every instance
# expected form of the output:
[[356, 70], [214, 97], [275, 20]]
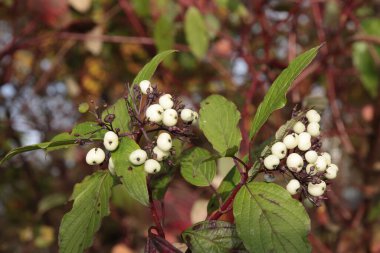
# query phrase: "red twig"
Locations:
[[154, 212]]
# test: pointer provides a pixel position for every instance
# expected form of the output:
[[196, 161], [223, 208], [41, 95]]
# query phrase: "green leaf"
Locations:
[[163, 34], [276, 95], [268, 219], [51, 201], [228, 184], [213, 237], [366, 66], [196, 32], [148, 70], [219, 120], [196, 168], [122, 118], [133, 177], [90, 205], [160, 183]]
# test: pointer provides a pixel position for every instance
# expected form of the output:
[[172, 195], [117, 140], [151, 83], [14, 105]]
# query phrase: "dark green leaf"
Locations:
[[133, 177], [219, 120], [90, 205], [276, 95], [122, 118], [51, 201], [268, 219], [196, 32], [164, 32], [213, 237], [148, 70], [196, 168]]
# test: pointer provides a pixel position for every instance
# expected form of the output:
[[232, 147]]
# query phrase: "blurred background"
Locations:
[[56, 54]]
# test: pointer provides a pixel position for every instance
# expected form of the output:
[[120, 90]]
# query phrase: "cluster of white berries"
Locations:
[[163, 111], [160, 152], [298, 153]]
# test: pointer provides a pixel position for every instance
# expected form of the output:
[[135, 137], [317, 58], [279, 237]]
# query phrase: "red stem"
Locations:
[[154, 212]]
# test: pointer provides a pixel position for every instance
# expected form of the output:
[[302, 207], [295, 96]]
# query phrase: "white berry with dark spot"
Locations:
[[311, 170], [187, 115], [293, 186], [279, 149], [299, 127], [327, 156], [271, 162], [331, 171], [145, 86], [95, 156], [294, 162], [291, 141], [154, 113], [151, 166], [111, 141], [166, 101], [316, 190], [195, 118], [304, 141], [311, 156], [170, 117], [164, 142], [159, 154], [138, 157], [321, 163]]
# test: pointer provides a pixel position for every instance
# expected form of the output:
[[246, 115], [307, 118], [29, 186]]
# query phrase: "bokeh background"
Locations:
[[56, 54]]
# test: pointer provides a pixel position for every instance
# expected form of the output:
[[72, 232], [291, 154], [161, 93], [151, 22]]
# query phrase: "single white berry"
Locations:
[[311, 156], [331, 171], [170, 117], [316, 190], [313, 129], [166, 101], [95, 156], [138, 157], [187, 115], [294, 162], [313, 116], [304, 141], [154, 113], [111, 166], [145, 86], [195, 118], [151, 166], [293, 186], [111, 141], [279, 149], [291, 141], [321, 163], [164, 142], [271, 162], [299, 127], [327, 156], [311, 169], [159, 154]]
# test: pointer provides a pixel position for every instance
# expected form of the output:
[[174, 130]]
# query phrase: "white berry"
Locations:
[[271, 162], [311, 170], [299, 127], [313, 129], [151, 166], [331, 171], [311, 156], [321, 163], [195, 118], [313, 116], [166, 101], [164, 142], [304, 141], [160, 155], [293, 186], [145, 86], [111, 166], [138, 157], [187, 115], [154, 113], [279, 149], [316, 190], [327, 156], [95, 156], [294, 162], [111, 141], [170, 117], [291, 141]]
